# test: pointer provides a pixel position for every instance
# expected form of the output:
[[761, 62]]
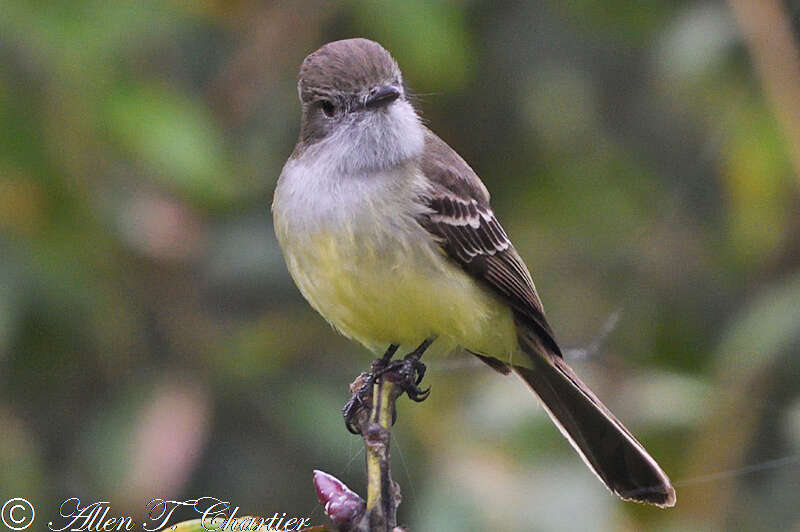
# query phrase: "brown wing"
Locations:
[[461, 219], [467, 229]]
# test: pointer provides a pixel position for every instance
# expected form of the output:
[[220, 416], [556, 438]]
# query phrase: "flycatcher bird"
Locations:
[[389, 234]]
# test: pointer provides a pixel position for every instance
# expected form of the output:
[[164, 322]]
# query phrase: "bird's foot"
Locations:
[[361, 400], [406, 373]]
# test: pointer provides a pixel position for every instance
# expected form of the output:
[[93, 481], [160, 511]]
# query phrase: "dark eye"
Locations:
[[328, 108]]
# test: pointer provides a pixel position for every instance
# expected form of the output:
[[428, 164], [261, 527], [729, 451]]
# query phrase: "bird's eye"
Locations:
[[328, 108]]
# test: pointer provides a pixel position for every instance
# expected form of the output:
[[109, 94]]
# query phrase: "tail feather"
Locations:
[[606, 446]]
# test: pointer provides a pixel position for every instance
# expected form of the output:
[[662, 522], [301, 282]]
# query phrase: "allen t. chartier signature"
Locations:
[[215, 514]]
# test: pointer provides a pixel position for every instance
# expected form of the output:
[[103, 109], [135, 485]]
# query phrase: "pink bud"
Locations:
[[342, 504]]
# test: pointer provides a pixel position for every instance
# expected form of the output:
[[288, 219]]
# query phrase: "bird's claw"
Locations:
[[406, 373], [362, 396], [351, 412], [411, 372]]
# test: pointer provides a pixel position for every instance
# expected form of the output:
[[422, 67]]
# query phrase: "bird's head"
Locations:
[[353, 100]]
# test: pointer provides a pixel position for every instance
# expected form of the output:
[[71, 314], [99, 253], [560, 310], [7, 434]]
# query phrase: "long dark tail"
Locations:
[[606, 446]]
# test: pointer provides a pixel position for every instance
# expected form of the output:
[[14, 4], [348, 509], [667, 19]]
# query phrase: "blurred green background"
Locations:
[[153, 345]]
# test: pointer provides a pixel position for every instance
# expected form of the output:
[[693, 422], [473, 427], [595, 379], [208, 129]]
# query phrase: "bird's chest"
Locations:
[[349, 225], [359, 256]]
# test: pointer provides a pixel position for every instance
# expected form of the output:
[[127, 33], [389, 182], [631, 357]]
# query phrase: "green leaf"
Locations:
[[195, 525], [174, 136]]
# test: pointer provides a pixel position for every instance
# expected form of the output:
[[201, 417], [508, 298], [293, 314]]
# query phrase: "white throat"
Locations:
[[373, 141]]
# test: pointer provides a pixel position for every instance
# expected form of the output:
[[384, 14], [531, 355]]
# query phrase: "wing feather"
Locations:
[[460, 218]]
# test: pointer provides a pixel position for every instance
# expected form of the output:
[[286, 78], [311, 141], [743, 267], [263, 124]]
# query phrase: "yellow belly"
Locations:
[[380, 290]]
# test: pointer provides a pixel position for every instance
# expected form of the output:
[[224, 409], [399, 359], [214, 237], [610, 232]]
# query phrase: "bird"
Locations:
[[389, 234]]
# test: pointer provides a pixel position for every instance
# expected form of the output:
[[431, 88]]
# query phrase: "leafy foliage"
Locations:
[[152, 343]]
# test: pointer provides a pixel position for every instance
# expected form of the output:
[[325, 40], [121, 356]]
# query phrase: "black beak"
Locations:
[[382, 96]]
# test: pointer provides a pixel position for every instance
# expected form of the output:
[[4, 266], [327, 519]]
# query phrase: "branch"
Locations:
[[346, 508]]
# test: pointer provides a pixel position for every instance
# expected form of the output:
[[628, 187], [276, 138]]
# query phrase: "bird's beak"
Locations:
[[382, 96]]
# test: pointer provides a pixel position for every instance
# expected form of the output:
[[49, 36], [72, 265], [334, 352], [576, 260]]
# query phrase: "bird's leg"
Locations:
[[362, 389]]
